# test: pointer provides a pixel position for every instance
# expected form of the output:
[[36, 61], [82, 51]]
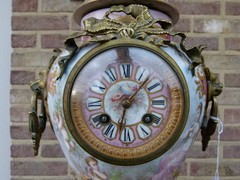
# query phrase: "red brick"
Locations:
[[202, 169], [53, 41], [45, 22], [22, 132], [24, 5], [210, 42], [53, 150], [232, 43], [232, 80], [196, 152], [23, 41], [69, 177], [222, 62], [231, 115], [183, 25], [75, 26], [232, 152], [232, 8], [36, 168], [20, 178], [216, 26], [183, 169], [31, 59], [22, 77], [21, 150], [49, 134], [20, 96], [19, 113], [230, 134], [196, 8], [229, 96], [208, 169], [59, 5]]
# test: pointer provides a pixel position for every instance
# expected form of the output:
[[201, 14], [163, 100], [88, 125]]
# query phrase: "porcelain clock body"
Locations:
[[127, 103], [129, 106]]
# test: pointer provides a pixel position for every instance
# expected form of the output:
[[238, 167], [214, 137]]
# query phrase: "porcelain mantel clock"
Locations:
[[127, 101]]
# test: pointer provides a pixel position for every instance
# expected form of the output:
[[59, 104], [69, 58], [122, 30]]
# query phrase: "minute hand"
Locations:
[[140, 87]]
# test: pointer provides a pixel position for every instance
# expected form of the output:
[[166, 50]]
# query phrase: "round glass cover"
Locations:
[[125, 104]]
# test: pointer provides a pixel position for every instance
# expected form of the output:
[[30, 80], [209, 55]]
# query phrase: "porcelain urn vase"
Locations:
[[125, 97]]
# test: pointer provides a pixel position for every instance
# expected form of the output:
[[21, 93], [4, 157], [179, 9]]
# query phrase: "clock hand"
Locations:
[[122, 120], [126, 103], [140, 87]]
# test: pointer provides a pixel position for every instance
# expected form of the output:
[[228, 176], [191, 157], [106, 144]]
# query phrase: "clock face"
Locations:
[[125, 104]]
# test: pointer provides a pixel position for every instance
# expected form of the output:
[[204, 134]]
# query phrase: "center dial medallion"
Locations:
[[117, 99]]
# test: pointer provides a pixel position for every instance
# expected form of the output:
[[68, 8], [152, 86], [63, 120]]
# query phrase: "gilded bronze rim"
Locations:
[[158, 5], [120, 160]]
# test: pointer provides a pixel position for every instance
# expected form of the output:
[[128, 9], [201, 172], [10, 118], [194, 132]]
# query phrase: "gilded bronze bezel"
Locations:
[[87, 145]]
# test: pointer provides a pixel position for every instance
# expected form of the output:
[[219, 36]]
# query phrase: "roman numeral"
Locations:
[[94, 103], [143, 131], [110, 131], [157, 118], [159, 102], [96, 121], [142, 73], [110, 75], [153, 86], [127, 135], [101, 88], [140, 77], [98, 87], [126, 70]]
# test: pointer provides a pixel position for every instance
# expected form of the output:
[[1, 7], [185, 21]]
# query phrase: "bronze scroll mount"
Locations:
[[37, 123], [209, 124]]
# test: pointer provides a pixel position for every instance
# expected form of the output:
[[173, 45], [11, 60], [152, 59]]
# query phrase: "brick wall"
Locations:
[[41, 25]]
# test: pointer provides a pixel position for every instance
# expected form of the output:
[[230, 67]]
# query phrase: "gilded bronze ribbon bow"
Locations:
[[139, 25]]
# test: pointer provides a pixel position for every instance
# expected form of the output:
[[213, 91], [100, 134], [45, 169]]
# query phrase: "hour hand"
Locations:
[[122, 120]]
